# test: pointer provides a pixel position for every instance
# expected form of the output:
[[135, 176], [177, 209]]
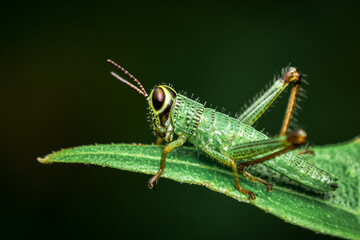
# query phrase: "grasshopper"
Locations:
[[232, 141]]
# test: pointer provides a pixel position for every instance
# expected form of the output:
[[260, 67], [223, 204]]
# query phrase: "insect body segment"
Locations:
[[233, 142]]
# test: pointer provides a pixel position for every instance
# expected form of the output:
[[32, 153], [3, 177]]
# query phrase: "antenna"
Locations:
[[127, 83], [141, 90]]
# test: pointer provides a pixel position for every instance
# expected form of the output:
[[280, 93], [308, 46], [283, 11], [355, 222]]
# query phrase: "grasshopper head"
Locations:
[[161, 100]]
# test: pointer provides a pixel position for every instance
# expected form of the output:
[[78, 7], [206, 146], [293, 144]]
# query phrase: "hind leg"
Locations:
[[263, 150], [257, 108]]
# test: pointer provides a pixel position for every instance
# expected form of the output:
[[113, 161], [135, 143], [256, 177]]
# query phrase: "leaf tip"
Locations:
[[44, 160]]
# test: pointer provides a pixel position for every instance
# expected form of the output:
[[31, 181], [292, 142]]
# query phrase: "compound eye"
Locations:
[[171, 91], [158, 98]]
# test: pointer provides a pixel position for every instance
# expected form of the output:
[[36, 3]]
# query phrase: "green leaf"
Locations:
[[336, 213]]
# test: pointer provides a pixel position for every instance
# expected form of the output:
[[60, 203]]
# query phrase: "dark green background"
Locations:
[[56, 92]]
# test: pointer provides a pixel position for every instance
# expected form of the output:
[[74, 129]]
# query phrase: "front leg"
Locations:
[[159, 141], [168, 148]]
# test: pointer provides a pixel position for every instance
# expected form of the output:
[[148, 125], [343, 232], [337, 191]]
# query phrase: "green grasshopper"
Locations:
[[233, 142]]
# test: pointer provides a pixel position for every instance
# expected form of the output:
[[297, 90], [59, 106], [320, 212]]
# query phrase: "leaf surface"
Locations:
[[335, 213]]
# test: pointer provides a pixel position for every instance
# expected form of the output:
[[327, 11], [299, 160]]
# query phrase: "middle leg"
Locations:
[[168, 148], [252, 178], [231, 163]]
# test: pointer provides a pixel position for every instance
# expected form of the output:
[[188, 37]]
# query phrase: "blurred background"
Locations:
[[56, 92]]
